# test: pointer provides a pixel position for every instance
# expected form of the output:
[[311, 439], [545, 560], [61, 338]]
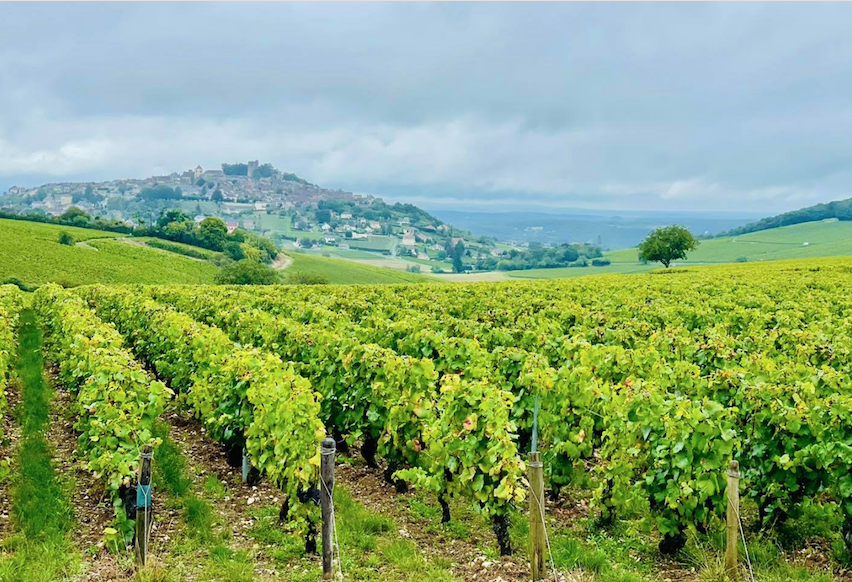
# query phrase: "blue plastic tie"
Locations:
[[143, 496]]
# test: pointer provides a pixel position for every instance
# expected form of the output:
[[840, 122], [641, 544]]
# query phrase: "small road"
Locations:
[[281, 262]]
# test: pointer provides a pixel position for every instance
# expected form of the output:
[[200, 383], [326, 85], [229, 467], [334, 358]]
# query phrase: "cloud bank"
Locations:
[[717, 107]]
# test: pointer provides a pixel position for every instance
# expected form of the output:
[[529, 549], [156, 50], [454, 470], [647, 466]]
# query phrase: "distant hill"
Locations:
[[610, 230], [839, 209]]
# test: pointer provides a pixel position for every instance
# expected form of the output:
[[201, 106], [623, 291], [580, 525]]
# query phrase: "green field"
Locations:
[[349, 272], [30, 252], [569, 272], [373, 243], [825, 238], [180, 248]]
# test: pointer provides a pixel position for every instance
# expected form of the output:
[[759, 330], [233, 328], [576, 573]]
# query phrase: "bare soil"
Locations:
[[11, 435], [92, 507], [281, 262], [368, 487]]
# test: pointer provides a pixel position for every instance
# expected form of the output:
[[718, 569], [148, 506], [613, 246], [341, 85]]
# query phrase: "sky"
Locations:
[[678, 107]]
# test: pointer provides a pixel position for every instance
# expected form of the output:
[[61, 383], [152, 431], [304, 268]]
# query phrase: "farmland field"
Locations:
[[338, 271], [639, 390], [824, 238], [30, 252]]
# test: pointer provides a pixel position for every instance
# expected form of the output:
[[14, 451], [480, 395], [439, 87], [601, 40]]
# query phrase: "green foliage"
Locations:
[[838, 209], [30, 255], [40, 512], [66, 239], [234, 251], [212, 233], [181, 249], [538, 256], [11, 302], [458, 257], [117, 400], [160, 192], [337, 272], [246, 272], [469, 450], [244, 397], [238, 169], [371, 392], [304, 278], [667, 244], [323, 215]]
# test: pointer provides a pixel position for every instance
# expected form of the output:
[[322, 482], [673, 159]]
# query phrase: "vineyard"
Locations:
[[637, 390]]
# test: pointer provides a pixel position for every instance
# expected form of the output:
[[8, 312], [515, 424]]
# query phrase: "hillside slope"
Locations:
[[30, 252], [824, 238], [338, 271], [839, 209]]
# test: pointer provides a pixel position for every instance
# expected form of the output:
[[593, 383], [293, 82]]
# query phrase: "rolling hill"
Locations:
[[839, 209], [337, 271], [30, 252], [825, 238]]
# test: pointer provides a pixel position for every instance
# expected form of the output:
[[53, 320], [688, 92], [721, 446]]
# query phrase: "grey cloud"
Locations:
[[694, 106]]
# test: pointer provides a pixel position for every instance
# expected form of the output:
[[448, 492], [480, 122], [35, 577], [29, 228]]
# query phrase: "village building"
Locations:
[[408, 238]]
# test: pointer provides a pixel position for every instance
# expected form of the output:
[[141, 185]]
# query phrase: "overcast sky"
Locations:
[[720, 107]]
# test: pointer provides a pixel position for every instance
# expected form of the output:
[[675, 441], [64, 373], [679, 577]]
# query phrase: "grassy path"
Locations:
[[42, 517]]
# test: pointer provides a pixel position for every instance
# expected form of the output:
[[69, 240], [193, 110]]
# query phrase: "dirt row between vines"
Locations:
[[11, 435], [92, 508], [366, 486]]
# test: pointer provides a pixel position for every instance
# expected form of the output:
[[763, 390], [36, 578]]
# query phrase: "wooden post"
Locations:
[[733, 529], [326, 490], [143, 504], [246, 465], [537, 545]]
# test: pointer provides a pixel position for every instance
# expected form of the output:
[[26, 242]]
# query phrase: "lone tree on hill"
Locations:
[[667, 244], [458, 253]]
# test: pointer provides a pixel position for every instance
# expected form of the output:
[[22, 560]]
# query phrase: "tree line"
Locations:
[[537, 256]]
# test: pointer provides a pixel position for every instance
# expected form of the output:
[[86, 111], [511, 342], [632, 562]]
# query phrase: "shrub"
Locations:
[[742, 259], [246, 272], [66, 239], [413, 269], [600, 262], [234, 251]]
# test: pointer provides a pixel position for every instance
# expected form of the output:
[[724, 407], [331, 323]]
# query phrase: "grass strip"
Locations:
[[40, 550]]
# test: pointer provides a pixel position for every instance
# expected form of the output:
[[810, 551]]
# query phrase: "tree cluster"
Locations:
[[212, 234], [538, 256], [455, 254], [161, 192]]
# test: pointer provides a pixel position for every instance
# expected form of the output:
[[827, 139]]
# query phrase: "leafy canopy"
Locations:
[[246, 272], [667, 244]]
